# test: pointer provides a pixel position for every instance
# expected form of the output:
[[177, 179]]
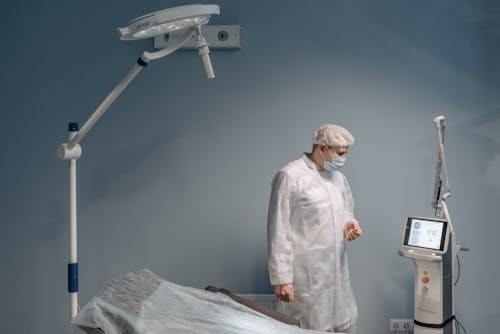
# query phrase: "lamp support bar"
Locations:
[[106, 104], [73, 261], [141, 63]]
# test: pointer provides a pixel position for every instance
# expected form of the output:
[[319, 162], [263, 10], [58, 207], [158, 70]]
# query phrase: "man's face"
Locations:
[[335, 151]]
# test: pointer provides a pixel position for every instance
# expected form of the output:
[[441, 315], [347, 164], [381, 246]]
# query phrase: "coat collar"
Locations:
[[309, 162]]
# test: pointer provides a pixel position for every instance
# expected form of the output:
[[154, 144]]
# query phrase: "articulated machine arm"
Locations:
[[434, 267]]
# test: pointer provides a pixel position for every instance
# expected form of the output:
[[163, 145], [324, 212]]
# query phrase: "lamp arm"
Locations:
[[108, 101]]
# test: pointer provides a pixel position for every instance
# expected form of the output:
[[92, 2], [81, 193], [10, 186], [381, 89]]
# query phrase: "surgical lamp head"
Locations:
[[188, 18]]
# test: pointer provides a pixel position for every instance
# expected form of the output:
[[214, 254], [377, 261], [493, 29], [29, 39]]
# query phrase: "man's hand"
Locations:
[[284, 292], [352, 230]]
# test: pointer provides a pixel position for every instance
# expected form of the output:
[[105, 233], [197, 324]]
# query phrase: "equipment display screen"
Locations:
[[425, 233]]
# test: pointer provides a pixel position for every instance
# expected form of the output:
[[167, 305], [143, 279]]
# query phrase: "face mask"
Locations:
[[335, 164]]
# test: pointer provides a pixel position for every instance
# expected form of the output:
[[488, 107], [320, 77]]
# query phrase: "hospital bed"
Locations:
[[142, 302]]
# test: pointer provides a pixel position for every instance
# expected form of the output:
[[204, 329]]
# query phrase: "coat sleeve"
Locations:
[[279, 235], [348, 201]]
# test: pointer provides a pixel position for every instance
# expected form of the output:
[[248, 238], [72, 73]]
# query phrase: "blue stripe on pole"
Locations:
[[72, 277]]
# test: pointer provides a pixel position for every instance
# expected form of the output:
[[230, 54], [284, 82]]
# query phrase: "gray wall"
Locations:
[[176, 176]]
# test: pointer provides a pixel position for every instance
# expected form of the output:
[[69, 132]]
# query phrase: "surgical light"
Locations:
[[188, 20], [168, 20]]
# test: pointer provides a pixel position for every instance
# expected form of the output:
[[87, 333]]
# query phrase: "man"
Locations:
[[310, 217]]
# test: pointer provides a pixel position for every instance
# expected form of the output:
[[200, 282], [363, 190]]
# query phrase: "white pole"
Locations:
[[73, 258]]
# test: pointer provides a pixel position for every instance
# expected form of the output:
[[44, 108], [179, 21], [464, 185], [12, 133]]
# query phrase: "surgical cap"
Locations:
[[332, 135]]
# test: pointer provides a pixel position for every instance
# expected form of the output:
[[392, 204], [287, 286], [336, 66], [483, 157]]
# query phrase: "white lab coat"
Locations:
[[307, 213]]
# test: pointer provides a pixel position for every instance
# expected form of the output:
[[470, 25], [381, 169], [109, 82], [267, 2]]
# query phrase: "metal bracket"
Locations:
[[217, 36]]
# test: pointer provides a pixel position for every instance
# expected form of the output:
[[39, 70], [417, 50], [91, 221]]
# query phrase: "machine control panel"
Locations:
[[426, 234]]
